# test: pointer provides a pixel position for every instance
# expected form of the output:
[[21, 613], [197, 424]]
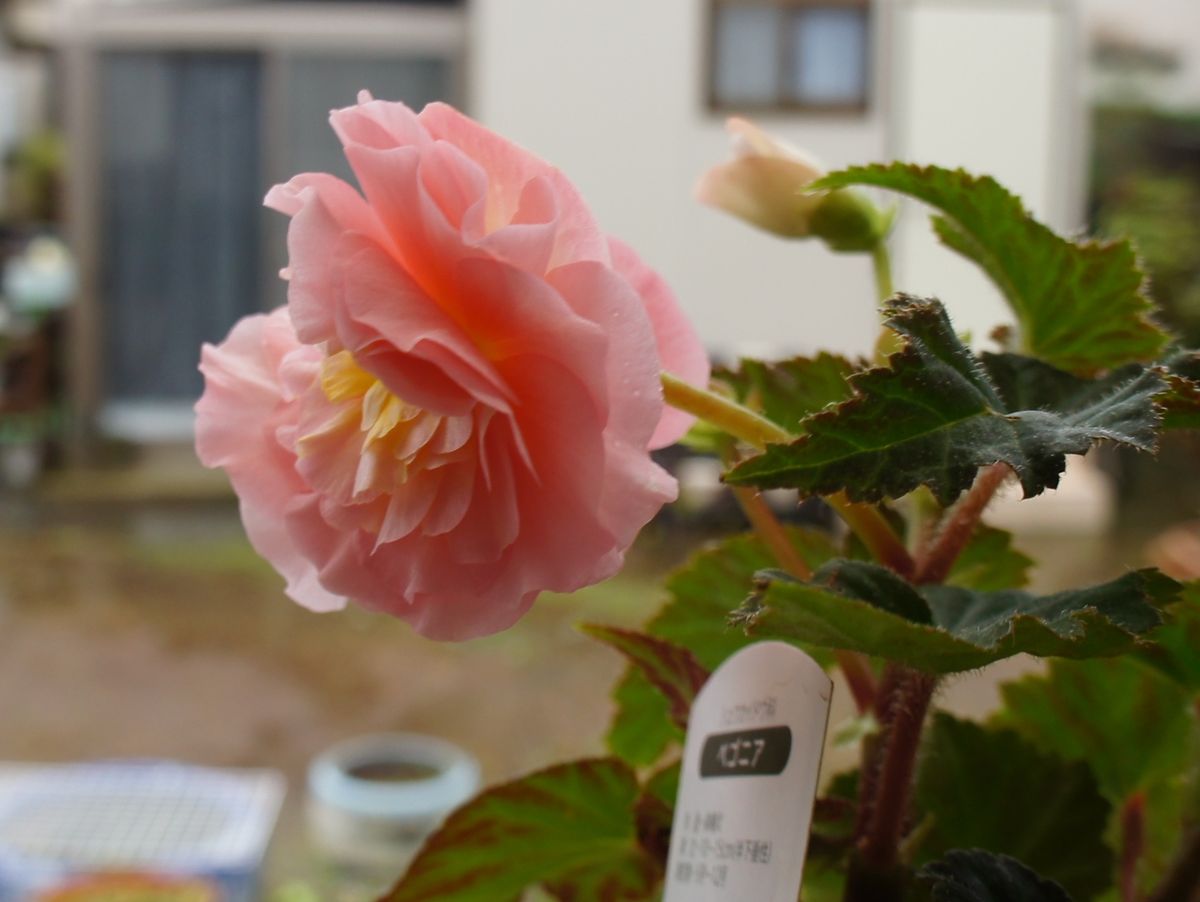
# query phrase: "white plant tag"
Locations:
[[749, 779]]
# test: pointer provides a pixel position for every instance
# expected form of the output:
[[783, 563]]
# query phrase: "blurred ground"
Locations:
[[152, 630]]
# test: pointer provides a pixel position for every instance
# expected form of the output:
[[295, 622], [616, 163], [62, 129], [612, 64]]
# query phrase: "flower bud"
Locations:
[[766, 184]]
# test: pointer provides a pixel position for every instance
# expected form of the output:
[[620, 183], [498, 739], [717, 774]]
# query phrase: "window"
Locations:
[[188, 146], [790, 54]]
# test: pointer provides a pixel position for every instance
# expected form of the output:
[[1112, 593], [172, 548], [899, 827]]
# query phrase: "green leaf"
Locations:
[[866, 608], [1127, 721], [641, 729], [1175, 650], [671, 669], [570, 826], [1135, 728], [1081, 306], [935, 416], [663, 784], [991, 789], [990, 563], [977, 876], [789, 391], [702, 594]]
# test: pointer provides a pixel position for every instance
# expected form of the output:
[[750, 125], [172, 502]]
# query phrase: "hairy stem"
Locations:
[[1182, 883], [754, 429], [876, 872], [938, 557]]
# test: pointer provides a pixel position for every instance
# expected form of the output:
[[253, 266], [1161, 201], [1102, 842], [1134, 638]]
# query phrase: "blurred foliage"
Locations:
[[1146, 185], [35, 177]]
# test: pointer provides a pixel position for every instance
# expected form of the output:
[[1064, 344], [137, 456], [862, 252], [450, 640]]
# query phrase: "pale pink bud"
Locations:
[[765, 183]]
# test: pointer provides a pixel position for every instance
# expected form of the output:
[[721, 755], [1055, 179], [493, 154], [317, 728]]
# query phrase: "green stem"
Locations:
[[888, 342], [883, 270], [727, 415], [756, 430]]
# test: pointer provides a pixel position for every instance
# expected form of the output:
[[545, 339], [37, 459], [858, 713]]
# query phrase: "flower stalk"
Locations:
[[754, 429]]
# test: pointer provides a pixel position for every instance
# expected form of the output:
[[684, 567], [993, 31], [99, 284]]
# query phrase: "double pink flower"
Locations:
[[454, 411]]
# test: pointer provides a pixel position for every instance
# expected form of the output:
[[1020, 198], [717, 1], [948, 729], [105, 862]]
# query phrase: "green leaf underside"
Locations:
[[989, 563], [571, 825], [973, 875], [991, 789], [1088, 711], [702, 594], [935, 416], [789, 391], [672, 669], [1081, 306], [944, 629]]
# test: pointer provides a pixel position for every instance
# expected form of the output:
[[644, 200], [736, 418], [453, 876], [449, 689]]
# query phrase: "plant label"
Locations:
[[749, 778]]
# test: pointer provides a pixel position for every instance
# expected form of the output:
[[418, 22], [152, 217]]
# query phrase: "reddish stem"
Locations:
[[886, 696], [879, 846], [876, 533], [1133, 844], [855, 667], [938, 557], [771, 531], [860, 679]]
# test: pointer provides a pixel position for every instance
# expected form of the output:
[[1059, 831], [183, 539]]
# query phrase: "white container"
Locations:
[[374, 799]]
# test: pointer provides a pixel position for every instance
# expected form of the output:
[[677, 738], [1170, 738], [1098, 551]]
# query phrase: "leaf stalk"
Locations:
[[935, 562]]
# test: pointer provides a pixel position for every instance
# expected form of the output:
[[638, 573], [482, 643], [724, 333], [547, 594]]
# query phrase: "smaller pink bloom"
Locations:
[[454, 412]]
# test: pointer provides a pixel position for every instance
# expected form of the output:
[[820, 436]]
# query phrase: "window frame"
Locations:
[[786, 55]]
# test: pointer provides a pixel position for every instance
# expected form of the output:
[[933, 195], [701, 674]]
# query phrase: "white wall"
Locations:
[[992, 86], [612, 92]]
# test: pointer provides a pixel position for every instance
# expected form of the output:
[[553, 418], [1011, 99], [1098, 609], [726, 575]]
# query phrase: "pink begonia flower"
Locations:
[[454, 411]]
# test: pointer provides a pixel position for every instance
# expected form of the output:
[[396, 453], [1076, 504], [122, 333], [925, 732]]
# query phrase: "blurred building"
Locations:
[[180, 114]]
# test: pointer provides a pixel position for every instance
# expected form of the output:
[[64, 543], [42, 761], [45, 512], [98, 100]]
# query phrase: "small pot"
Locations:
[[374, 799]]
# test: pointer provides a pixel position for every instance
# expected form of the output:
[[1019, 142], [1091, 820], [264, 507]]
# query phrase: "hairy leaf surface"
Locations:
[[935, 415], [973, 875], [863, 607]]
